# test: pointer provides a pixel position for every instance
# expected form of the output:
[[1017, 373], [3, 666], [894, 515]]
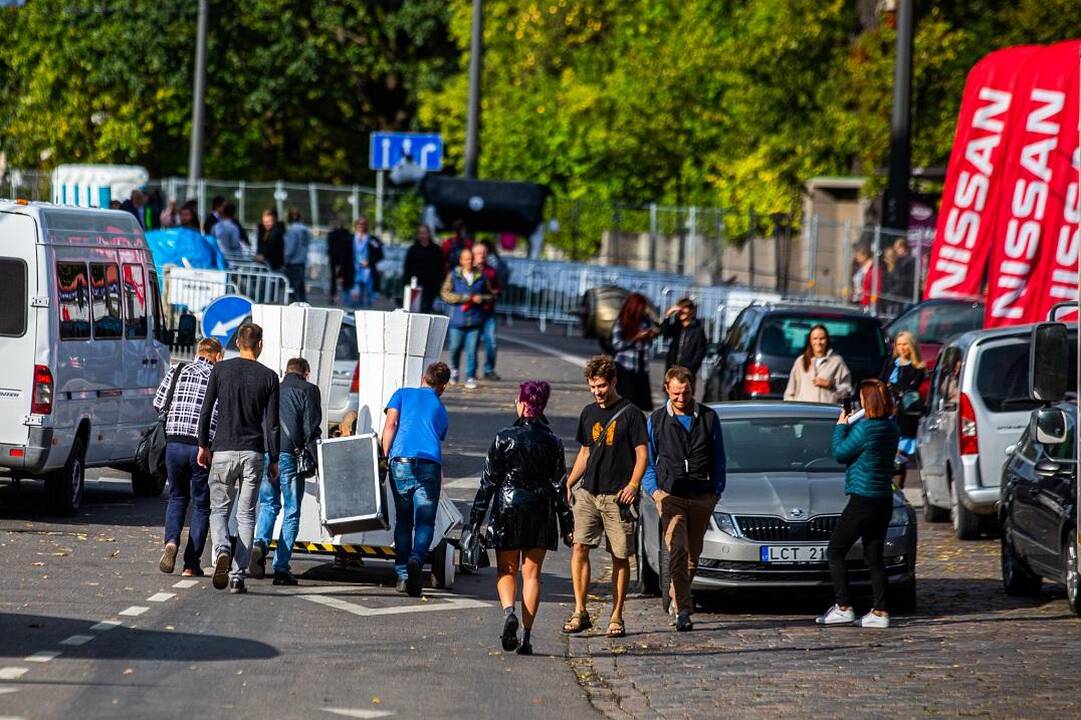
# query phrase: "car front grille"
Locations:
[[774, 529]]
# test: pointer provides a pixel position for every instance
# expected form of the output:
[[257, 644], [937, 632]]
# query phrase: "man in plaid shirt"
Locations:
[[188, 481]]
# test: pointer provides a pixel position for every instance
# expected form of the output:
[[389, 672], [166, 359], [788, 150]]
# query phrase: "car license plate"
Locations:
[[793, 553]]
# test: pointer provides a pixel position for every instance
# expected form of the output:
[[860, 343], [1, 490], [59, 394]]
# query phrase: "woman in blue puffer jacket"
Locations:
[[866, 445]]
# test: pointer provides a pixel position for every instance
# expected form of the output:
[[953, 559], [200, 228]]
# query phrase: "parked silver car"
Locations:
[[346, 375], [783, 498], [978, 406]]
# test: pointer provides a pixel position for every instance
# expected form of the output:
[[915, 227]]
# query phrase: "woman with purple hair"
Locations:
[[526, 473]]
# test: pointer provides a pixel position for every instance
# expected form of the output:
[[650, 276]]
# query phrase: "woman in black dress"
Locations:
[[903, 374], [526, 472]]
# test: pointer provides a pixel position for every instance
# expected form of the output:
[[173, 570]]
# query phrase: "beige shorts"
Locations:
[[597, 516]]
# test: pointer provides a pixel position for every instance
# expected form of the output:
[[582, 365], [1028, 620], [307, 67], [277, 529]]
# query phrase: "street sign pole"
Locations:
[[198, 104], [379, 202], [472, 120]]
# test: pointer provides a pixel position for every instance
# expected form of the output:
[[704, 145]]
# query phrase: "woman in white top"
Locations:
[[818, 375]]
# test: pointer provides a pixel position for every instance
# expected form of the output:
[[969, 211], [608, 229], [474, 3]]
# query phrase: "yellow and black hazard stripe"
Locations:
[[320, 548]]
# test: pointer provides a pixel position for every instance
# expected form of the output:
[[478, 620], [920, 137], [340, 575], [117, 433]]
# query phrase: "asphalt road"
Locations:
[[90, 627]]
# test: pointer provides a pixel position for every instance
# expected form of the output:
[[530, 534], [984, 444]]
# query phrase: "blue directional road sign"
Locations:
[[224, 315], [387, 149]]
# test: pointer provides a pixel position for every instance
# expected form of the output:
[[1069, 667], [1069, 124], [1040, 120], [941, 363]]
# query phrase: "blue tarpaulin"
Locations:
[[184, 247]]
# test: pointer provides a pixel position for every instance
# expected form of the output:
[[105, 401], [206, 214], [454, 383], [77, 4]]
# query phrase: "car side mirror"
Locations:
[[1050, 426], [1048, 469], [1048, 367]]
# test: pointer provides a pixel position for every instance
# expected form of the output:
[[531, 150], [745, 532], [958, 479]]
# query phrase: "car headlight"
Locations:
[[899, 516], [726, 524]]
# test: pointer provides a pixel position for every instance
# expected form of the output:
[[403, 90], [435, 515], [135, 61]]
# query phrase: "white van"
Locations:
[[81, 330]]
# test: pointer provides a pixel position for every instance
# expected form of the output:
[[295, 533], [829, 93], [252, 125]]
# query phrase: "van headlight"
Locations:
[[726, 524], [899, 518]]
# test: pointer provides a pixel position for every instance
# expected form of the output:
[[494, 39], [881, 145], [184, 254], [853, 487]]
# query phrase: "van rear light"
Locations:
[[756, 379], [967, 436], [16, 452], [355, 387], [41, 398]]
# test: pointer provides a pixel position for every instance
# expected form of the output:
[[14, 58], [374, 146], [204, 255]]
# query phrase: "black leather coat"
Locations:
[[526, 472]]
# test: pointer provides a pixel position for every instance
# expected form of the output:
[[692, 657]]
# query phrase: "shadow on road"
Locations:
[[104, 503]]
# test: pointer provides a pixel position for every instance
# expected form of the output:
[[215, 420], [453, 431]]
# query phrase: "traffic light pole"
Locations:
[[195, 158]]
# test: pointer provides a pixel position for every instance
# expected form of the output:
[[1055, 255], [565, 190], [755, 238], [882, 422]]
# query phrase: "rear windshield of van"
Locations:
[[1002, 376], [851, 338], [13, 300]]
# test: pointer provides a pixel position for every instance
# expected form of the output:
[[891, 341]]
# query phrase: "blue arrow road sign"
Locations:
[[387, 149], [224, 315]]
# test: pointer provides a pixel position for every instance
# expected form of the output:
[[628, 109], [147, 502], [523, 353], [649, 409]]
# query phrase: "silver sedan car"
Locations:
[[783, 498]]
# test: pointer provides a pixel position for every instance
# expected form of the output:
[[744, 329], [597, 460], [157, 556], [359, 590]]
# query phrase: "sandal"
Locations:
[[616, 629], [577, 623]]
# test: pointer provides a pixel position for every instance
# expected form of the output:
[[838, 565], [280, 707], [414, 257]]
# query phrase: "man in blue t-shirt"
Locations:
[[416, 425]]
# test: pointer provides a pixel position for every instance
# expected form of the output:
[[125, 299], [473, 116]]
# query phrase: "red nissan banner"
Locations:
[[1039, 140], [971, 196]]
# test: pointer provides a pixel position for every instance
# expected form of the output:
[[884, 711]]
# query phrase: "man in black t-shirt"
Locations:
[[610, 465]]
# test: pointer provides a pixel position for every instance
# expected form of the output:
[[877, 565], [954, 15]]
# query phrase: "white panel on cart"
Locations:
[[417, 341], [350, 489], [292, 326], [395, 332], [315, 325]]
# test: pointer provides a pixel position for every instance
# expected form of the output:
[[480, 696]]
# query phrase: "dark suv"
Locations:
[[1038, 510], [757, 354]]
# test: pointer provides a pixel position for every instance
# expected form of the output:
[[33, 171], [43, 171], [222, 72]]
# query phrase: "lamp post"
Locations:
[[896, 200], [195, 158], [472, 123]]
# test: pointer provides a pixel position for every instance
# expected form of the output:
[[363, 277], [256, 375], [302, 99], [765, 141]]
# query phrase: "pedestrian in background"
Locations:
[[187, 479], [340, 256], [424, 261], [214, 215], [270, 240], [466, 290], [903, 282], [135, 205], [632, 343], [866, 447], [246, 393], [818, 374], [227, 233], [453, 245], [685, 478], [526, 473], [488, 327], [412, 442], [296, 242], [603, 490], [686, 338], [365, 250], [903, 374], [300, 417], [375, 255], [170, 215], [861, 258], [189, 216]]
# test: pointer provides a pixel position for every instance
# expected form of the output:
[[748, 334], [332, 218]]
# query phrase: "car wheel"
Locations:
[[443, 565], [146, 484], [647, 582], [966, 524], [64, 487], [1073, 579], [902, 597], [1017, 579], [664, 575]]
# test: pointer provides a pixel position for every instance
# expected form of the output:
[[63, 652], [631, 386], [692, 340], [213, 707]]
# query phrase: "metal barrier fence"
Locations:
[[188, 290]]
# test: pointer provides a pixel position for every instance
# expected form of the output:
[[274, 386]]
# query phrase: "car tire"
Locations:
[[443, 568], [146, 484], [64, 487], [902, 597], [966, 524], [1018, 579], [1070, 572], [646, 582], [664, 575]]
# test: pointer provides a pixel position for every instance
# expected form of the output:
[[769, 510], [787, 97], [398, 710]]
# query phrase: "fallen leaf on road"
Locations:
[[115, 552], [170, 627], [376, 700], [128, 671], [39, 564]]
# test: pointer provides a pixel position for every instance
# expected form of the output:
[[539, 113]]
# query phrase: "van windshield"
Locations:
[[1002, 376], [13, 299]]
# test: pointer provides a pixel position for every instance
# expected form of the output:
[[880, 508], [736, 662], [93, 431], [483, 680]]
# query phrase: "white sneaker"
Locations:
[[453, 377], [470, 384], [871, 620], [836, 616]]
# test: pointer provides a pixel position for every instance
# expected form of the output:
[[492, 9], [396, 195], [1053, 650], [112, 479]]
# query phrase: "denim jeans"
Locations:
[[187, 486], [456, 338], [488, 336], [362, 293], [285, 492], [295, 274], [229, 468], [416, 497]]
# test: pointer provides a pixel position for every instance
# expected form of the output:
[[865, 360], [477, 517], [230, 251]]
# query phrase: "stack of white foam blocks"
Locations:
[[299, 330], [395, 349]]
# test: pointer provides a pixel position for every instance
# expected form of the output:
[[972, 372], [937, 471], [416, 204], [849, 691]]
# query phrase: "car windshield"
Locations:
[[347, 344], [938, 322], [1002, 376], [779, 444], [851, 338]]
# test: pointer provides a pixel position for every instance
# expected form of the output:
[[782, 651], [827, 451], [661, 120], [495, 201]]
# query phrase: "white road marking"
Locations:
[[351, 713], [42, 657], [11, 717], [8, 691], [161, 597], [12, 673], [133, 611], [104, 625], [77, 640], [360, 610], [185, 584], [576, 360]]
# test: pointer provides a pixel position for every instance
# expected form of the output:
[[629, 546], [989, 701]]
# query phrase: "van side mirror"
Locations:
[[1049, 362], [1049, 426], [185, 330]]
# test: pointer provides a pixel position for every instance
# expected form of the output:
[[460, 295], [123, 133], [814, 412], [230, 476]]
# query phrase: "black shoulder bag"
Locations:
[[150, 454], [306, 464]]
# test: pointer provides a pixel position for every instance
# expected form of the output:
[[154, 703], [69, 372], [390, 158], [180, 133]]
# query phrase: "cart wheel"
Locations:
[[443, 565]]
